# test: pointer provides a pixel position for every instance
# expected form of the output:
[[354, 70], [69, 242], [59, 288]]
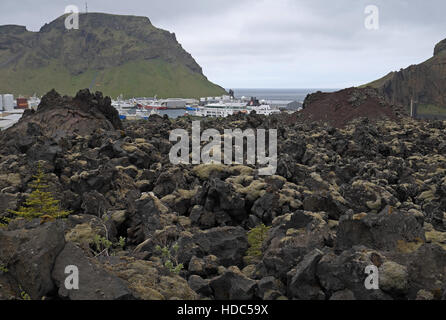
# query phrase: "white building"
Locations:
[[174, 103], [8, 102]]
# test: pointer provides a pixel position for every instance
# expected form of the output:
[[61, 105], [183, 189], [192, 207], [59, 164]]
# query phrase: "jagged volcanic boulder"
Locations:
[[95, 283], [302, 283], [384, 231], [30, 255], [233, 285], [291, 237], [229, 244], [345, 275], [61, 117]]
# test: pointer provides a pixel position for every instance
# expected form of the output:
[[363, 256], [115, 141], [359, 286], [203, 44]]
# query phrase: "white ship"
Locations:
[[225, 109], [33, 102], [131, 110], [123, 105]]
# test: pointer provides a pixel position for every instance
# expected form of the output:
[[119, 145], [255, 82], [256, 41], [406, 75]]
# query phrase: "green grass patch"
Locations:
[[431, 109], [133, 79]]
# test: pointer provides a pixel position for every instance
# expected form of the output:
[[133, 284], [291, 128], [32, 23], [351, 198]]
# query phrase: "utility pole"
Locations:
[[86, 7], [413, 107]]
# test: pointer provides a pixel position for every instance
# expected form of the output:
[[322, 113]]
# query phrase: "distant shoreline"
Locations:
[[278, 96]]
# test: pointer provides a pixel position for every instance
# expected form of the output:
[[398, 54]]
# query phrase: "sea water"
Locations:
[[274, 97], [277, 97]]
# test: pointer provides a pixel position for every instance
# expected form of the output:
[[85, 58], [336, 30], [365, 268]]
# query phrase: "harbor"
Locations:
[[142, 108], [222, 106]]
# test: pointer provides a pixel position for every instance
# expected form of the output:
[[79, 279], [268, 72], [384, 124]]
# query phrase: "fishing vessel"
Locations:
[[123, 104], [150, 103], [154, 105], [136, 114]]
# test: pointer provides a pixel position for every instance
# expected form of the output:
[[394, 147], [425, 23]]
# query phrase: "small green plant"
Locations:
[[170, 258], [256, 237], [40, 203], [121, 243], [101, 244], [4, 221], [3, 268], [23, 294]]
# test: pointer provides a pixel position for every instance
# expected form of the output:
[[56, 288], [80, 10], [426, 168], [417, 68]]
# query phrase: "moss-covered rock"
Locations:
[[147, 282]]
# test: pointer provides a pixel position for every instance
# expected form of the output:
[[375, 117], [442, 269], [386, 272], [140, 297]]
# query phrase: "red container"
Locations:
[[22, 103]]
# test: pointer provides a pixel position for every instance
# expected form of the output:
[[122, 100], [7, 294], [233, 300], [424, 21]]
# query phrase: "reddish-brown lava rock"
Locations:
[[341, 107]]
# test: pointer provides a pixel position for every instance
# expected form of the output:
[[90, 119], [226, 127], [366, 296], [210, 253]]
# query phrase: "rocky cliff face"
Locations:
[[104, 41], [423, 82], [105, 49]]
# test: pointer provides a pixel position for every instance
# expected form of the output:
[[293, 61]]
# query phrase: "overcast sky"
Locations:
[[276, 43]]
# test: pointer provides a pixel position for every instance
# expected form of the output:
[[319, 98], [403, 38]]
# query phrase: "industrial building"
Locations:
[[7, 102]]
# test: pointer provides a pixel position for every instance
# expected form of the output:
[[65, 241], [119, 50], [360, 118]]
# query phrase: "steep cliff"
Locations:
[[111, 53], [424, 83]]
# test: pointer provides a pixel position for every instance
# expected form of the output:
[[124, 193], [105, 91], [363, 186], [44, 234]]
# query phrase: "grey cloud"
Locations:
[[276, 43]]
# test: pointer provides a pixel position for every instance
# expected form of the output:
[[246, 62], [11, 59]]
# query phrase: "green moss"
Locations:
[[82, 234], [241, 180], [428, 196], [241, 170], [294, 203], [187, 194], [374, 205], [203, 171], [254, 191], [409, 247], [256, 237], [436, 237]]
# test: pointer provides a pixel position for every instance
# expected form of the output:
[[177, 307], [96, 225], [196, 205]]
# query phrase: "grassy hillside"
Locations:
[[109, 53], [133, 79], [430, 109], [380, 82]]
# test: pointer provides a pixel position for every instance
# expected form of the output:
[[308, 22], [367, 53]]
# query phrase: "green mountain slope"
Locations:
[[110, 53]]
